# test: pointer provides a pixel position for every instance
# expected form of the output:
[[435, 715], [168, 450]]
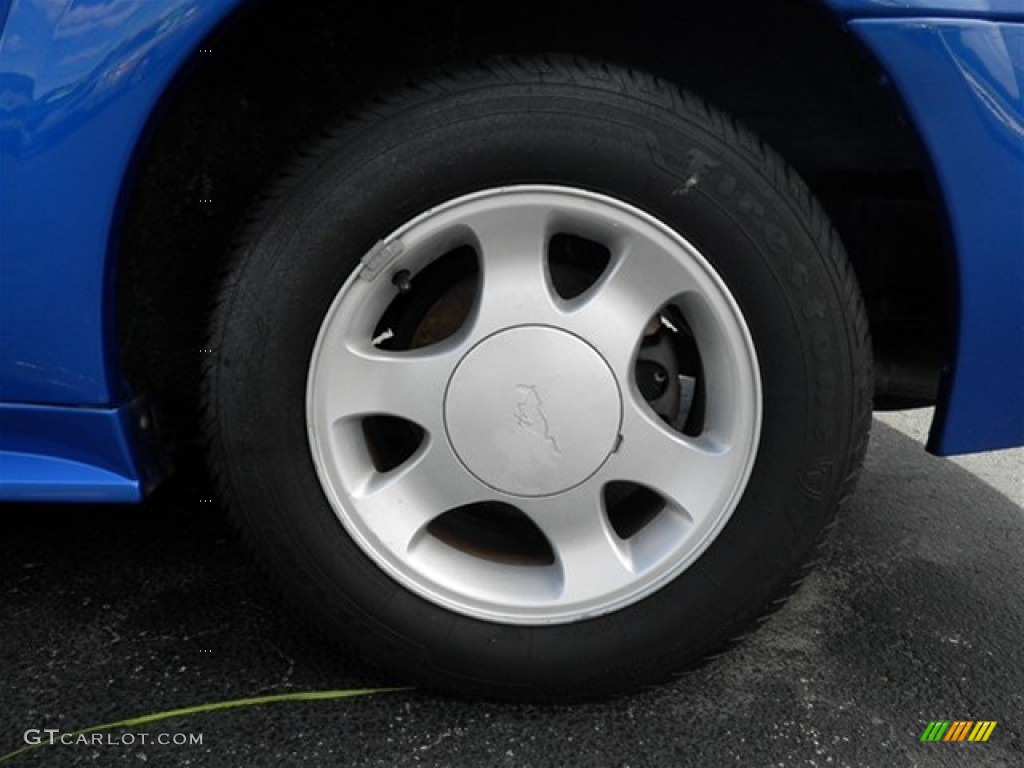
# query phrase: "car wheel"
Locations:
[[540, 379]]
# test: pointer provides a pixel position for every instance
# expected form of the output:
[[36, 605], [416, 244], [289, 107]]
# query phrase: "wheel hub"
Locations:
[[532, 411]]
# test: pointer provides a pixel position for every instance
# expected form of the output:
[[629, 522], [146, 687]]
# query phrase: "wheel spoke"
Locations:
[[693, 475], [613, 314], [515, 288], [594, 563], [397, 506], [410, 385]]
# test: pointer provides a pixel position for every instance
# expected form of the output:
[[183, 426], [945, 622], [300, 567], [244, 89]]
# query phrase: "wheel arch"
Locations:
[[77, 99], [235, 115]]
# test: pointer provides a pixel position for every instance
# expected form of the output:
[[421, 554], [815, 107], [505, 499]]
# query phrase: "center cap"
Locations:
[[533, 411]]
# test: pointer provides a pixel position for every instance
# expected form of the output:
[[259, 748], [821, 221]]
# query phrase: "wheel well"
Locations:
[[276, 74]]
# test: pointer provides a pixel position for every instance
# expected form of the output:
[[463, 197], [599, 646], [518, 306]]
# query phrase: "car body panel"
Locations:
[[1006, 10], [963, 83], [81, 81], [56, 453], [79, 85]]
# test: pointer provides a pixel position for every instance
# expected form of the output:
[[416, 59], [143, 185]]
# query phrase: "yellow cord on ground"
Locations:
[[216, 706]]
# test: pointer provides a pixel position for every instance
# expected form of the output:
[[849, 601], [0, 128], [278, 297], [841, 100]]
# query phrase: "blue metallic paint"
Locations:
[[963, 82], [1007, 10], [54, 453], [81, 79], [79, 84]]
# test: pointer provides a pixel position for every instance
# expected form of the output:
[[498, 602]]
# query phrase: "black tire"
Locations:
[[587, 125]]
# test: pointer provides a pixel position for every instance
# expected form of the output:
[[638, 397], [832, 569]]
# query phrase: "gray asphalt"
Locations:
[[107, 613]]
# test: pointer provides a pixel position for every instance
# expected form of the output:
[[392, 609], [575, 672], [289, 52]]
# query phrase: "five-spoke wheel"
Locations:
[[526, 420]]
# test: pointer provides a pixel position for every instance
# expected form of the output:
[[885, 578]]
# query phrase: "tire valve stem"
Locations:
[[402, 280]]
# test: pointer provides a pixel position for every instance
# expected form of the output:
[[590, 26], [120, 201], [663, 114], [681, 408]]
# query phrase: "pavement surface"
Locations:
[[109, 613]]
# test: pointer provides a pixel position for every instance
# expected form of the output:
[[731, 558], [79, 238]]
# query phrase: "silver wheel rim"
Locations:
[[533, 404]]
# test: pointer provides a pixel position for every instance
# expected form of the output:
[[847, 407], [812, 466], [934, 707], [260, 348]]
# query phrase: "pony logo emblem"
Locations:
[[529, 414]]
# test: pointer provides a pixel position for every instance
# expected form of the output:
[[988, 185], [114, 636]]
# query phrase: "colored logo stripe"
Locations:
[[982, 730], [935, 730], [958, 730]]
